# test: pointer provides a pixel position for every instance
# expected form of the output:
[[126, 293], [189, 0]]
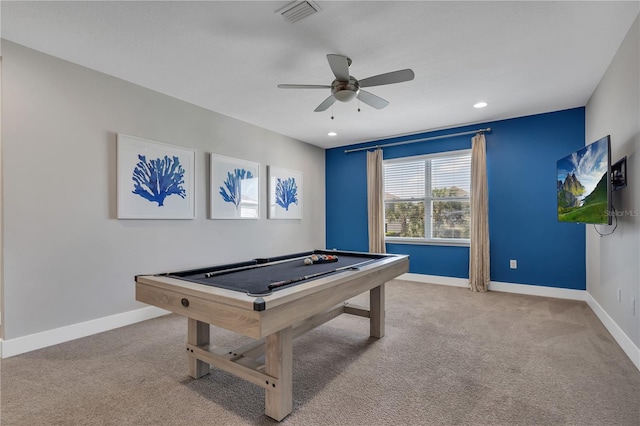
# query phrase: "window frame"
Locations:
[[428, 200]]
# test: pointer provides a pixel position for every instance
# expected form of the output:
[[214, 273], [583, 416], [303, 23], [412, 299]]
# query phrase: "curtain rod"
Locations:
[[470, 132]]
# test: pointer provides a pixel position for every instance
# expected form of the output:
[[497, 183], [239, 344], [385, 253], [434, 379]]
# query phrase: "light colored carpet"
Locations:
[[449, 357]]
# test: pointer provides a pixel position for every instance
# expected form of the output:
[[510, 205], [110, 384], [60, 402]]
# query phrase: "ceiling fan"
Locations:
[[346, 87]]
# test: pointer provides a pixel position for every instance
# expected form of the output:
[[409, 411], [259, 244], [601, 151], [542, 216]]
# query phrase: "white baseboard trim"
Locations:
[[627, 345], [533, 290], [434, 279], [20, 345], [538, 290]]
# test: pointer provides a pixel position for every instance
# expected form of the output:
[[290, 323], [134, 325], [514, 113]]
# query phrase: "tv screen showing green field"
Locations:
[[584, 184]]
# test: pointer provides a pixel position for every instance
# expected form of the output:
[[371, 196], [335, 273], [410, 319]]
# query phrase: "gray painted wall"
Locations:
[[67, 259], [613, 262]]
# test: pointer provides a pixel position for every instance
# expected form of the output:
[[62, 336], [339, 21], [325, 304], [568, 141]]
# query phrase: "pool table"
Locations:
[[271, 300]]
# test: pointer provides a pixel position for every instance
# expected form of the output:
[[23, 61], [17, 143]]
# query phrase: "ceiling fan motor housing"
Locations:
[[344, 91]]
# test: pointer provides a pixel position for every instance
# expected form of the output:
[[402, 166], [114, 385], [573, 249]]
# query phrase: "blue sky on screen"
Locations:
[[588, 164]]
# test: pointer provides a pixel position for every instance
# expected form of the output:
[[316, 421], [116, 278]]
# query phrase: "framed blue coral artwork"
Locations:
[[234, 189], [154, 180], [285, 193]]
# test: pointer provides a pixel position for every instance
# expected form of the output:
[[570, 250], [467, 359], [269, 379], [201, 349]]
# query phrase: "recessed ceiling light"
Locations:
[[480, 105], [332, 134]]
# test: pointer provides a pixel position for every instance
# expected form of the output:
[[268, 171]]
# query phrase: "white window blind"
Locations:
[[427, 198]]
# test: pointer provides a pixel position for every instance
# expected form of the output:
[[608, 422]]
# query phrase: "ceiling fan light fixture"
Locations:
[[344, 95]]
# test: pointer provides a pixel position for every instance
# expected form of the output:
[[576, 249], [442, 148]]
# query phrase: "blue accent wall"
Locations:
[[521, 167]]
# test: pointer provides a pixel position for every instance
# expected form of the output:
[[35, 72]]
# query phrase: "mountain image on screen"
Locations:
[[582, 184]]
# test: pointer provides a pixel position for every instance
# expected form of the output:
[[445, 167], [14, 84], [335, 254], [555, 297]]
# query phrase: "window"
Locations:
[[426, 198]]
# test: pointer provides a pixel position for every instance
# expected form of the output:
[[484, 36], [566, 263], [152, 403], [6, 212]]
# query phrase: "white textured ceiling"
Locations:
[[521, 57]]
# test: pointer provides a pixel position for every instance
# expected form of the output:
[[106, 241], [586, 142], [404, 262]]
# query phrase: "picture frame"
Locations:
[[285, 193], [234, 188], [155, 180]]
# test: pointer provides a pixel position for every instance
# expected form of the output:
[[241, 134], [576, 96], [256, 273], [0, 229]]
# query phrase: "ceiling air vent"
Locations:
[[295, 11]]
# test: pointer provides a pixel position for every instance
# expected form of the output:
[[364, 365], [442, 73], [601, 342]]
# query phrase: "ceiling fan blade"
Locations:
[[388, 78], [372, 100], [303, 86], [325, 104], [340, 66]]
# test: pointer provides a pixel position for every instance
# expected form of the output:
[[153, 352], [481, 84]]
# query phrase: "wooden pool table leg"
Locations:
[[197, 334], [376, 308], [279, 364]]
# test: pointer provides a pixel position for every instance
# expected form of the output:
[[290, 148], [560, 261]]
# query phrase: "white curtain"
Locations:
[[375, 202], [479, 249]]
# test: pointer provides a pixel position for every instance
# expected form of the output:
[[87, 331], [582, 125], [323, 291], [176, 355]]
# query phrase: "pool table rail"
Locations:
[[235, 311]]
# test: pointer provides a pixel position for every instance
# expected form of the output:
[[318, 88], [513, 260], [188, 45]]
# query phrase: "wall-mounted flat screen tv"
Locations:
[[584, 184]]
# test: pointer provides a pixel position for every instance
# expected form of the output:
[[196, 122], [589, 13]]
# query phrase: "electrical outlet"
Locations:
[[513, 264], [619, 295]]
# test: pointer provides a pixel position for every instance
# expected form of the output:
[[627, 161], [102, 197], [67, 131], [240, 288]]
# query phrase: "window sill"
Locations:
[[428, 242]]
